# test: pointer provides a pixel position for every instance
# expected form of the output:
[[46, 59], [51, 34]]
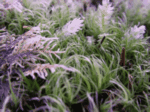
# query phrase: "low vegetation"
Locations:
[[55, 56]]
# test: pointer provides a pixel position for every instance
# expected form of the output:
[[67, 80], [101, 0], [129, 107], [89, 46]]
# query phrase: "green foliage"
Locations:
[[70, 69]]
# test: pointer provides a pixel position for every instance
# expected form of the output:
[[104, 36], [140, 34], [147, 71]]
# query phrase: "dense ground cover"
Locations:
[[57, 57]]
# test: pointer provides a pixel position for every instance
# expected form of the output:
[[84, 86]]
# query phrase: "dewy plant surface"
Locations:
[[71, 55]]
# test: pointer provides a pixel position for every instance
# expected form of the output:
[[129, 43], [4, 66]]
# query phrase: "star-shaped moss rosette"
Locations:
[[138, 32], [104, 14], [72, 27]]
